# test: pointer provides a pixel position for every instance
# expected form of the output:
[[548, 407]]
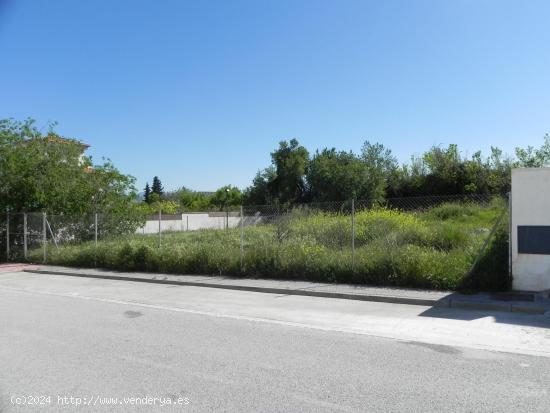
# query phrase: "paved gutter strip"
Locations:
[[474, 305], [464, 303], [529, 309]]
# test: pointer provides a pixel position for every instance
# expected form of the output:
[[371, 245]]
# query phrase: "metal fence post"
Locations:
[[160, 229], [95, 238], [242, 237], [510, 228], [353, 234], [7, 235], [25, 235], [95, 229], [44, 235]]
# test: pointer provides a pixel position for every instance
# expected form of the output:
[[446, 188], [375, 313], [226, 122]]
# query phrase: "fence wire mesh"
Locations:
[[354, 240]]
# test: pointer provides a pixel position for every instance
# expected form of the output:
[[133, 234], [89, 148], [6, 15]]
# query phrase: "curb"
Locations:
[[444, 302], [270, 290]]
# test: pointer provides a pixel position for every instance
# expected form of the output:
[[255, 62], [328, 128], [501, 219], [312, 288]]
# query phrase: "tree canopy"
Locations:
[[156, 187], [336, 176], [50, 173], [374, 173], [290, 161]]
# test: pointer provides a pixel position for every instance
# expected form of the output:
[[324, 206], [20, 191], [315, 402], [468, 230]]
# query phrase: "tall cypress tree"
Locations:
[[157, 188], [147, 193]]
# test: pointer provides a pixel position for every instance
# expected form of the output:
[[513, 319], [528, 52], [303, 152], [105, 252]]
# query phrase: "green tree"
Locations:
[[195, 201], [284, 181], [380, 165], [157, 188], [375, 174], [152, 208], [534, 158], [337, 176], [175, 195], [226, 196], [500, 172], [443, 171], [259, 193], [408, 179], [446, 170], [50, 173], [147, 194], [290, 161]]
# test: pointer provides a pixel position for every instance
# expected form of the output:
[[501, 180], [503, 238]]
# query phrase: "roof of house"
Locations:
[[60, 139]]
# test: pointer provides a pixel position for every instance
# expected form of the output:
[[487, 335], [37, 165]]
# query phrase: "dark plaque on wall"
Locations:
[[534, 239]]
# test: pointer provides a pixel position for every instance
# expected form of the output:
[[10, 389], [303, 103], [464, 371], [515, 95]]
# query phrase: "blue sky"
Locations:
[[199, 93]]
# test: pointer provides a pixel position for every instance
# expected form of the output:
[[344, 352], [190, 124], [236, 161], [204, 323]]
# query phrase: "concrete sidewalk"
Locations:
[[522, 303]]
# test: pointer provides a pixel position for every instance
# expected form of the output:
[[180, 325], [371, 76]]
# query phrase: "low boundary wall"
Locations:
[[195, 221]]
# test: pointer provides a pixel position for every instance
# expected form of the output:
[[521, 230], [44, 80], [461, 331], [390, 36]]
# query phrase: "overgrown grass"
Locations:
[[430, 249]]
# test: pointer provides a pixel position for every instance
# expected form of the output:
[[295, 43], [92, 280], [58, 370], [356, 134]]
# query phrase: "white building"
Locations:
[[530, 229]]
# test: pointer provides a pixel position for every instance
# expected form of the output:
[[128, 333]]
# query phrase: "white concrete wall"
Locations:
[[193, 222], [530, 206]]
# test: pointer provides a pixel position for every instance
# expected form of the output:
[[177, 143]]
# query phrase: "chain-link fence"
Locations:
[[363, 241], [21, 233]]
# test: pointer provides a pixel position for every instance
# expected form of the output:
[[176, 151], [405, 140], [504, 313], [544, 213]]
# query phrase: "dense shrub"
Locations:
[[452, 210]]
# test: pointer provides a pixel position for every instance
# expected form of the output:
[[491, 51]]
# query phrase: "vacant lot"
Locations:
[[434, 248]]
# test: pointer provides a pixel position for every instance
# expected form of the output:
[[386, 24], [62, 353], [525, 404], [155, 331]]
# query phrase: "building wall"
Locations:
[[530, 206], [194, 222]]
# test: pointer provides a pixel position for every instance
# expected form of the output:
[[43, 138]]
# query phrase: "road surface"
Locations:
[[127, 346]]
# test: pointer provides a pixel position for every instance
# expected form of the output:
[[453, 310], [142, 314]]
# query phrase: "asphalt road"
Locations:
[[216, 350]]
